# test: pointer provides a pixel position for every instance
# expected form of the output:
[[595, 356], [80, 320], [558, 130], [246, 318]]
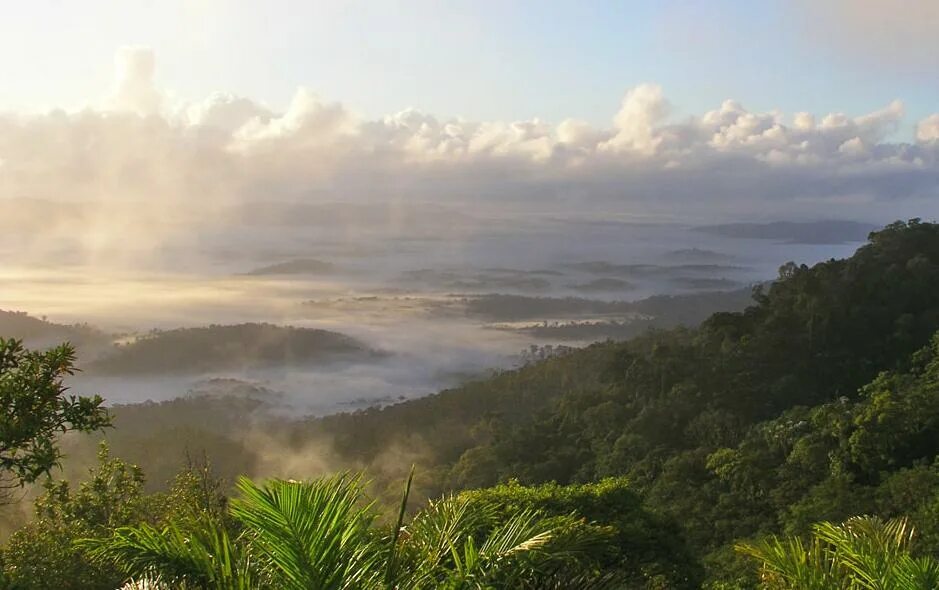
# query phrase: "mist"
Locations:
[[144, 212], [404, 288]]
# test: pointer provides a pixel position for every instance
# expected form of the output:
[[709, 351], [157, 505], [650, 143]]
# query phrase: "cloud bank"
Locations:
[[726, 163]]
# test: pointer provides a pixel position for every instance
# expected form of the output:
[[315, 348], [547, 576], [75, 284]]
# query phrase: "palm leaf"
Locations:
[[311, 535], [391, 570], [204, 557]]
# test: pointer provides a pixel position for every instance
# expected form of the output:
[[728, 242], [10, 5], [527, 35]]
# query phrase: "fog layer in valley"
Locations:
[[416, 250], [432, 303]]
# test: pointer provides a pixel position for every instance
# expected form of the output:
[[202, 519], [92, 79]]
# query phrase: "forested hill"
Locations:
[[217, 348], [818, 402], [40, 333], [733, 427]]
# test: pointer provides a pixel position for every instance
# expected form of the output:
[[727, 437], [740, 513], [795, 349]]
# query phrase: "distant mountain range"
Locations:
[[811, 232], [295, 267]]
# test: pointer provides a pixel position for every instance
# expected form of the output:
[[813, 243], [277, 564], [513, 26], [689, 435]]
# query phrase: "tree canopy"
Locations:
[[37, 408]]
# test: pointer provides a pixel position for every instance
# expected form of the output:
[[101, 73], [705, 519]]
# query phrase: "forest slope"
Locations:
[[679, 412], [816, 402]]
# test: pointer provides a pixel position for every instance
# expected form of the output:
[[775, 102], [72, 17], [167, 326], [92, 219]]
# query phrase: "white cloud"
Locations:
[[229, 148], [308, 120], [635, 124], [927, 131], [226, 112], [135, 90]]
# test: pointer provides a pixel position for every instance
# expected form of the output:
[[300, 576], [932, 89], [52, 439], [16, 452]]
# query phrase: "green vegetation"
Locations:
[[44, 553], [321, 534], [756, 423], [646, 549], [860, 554], [36, 409], [683, 458]]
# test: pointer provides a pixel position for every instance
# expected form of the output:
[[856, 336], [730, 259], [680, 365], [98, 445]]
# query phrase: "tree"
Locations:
[[645, 550], [41, 554], [35, 408]]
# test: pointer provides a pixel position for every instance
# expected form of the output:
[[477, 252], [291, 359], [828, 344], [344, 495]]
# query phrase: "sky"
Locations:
[[778, 105], [481, 59]]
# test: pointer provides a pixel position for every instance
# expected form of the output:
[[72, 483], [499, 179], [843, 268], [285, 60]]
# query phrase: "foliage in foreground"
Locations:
[[647, 550], [35, 408], [290, 535], [43, 553], [863, 553]]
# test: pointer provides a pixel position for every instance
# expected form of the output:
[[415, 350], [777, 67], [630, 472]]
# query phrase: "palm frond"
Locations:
[[863, 553], [204, 557], [916, 573], [795, 564], [868, 547], [310, 534], [391, 570]]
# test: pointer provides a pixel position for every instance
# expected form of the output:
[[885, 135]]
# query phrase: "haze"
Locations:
[[383, 170]]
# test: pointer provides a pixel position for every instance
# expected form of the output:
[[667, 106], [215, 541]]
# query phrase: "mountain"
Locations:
[[295, 267], [812, 232], [658, 310], [222, 348], [815, 335], [41, 333]]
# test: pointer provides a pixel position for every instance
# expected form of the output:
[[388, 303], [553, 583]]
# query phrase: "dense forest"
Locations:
[[802, 430]]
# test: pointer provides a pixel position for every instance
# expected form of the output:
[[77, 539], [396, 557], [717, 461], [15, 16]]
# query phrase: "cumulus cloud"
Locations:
[[729, 161], [643, 108], [927, 131], [135, 90], [226, 113]]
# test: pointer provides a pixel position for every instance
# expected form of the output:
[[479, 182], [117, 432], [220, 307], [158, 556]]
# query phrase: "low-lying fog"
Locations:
[[400, 282]]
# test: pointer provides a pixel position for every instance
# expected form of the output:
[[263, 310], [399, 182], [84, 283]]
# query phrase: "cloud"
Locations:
[[643, 108], [927, 131], [729, 161], [226, 113], [135, 90]]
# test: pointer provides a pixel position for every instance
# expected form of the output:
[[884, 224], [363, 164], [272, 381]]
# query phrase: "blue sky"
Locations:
[[480, 59]]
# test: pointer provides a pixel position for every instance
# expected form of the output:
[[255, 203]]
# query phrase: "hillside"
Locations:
[[219, 348], [816, 402], [40, 333], [696, 418], [814, 335]]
